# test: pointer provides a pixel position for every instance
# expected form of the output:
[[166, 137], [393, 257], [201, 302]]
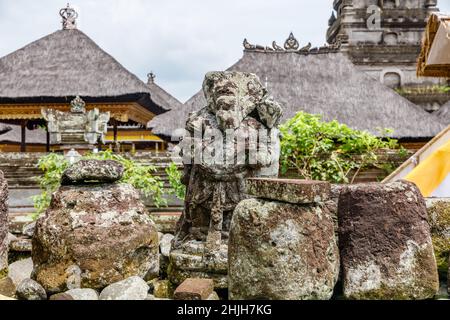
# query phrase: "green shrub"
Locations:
[[328, 151], [138, 175]]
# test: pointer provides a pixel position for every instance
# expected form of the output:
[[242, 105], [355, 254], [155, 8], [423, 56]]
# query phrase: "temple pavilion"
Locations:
[[52, 71]]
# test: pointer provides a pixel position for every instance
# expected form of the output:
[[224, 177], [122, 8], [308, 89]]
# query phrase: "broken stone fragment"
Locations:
[[162, 289], [7, 287], [104, 230], [20, 270], [28, 229], [20, 245], [82, 294], [194, 289], [288, 190], [385, 242], [29, 289], [281, 251], [97, 171], [3, 225], [133, 288]]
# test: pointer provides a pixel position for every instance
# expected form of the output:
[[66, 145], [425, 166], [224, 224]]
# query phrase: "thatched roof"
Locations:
[[161, 96], [36, 136], [65, 64], [321, 83], [437, 70], [444, 113]]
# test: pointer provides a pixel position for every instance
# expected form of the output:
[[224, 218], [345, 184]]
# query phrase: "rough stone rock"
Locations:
[[29, 289], [162, 289], [4, 298], [133, 288], [104, 230], [28, 229], [213, 296], [439, 216], [7, 287], [281, 251], [98, 171], [20, 270], [17, 223], [194, 289], [385, 243], [165, 244], [20, 245], [288, 190], [3, 225], [61, 296], [82, 294]]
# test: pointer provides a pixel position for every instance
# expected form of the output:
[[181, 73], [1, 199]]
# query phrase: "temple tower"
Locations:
[[383, 38]]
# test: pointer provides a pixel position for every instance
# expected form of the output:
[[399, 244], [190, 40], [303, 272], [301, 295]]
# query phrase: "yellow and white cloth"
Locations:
[[432, 176]]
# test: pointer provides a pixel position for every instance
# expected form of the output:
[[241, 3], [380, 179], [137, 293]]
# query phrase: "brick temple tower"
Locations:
[[383, 38]]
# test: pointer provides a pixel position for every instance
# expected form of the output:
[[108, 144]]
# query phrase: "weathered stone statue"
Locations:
[[3, 226], [77, 126], [234, 137]]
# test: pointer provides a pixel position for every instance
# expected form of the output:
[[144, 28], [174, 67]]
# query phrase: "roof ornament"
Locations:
[[332, 19], [69, 17], [77, 105], [276, 47], [151, 77], [291, 43]]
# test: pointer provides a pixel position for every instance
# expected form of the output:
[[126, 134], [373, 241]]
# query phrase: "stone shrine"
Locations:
[[234, 137], [78, 128]]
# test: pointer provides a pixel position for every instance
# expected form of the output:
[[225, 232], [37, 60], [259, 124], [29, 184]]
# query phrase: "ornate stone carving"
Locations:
[[69, 17], [291, 43], [237, 106], [76, 126]]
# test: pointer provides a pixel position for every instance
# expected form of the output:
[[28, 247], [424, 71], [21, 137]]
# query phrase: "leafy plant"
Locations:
[[328, 150], [138, 175], [177, 188]]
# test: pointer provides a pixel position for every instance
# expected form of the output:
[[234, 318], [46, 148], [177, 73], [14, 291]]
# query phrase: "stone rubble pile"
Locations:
[[96, 231]]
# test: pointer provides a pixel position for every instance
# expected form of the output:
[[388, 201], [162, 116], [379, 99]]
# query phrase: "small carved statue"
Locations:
[[226, 151]]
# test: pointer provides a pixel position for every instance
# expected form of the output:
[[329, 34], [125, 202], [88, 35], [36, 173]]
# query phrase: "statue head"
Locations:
[[232, 96]]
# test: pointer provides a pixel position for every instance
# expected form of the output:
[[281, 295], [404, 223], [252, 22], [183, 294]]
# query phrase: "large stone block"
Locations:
[[103, 231], [281, 251], [385, 243], [85, 171], [439, 216], [288, 190], [3, 225]]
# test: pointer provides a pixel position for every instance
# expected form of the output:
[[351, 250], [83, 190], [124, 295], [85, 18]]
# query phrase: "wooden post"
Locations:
[[23, 145], [48, 139], [115, 136]]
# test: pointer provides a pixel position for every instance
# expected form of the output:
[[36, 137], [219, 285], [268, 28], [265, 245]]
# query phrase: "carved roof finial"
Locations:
[[151, 77], [291, 43], [69, 18], [77, 105]]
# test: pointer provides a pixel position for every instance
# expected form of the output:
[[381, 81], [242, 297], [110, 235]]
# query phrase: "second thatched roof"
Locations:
[[321, 83]]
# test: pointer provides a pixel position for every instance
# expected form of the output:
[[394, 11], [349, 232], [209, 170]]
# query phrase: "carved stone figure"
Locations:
[[234, 137]]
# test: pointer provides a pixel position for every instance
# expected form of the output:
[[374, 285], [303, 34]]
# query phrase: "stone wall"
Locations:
[[3, 225]]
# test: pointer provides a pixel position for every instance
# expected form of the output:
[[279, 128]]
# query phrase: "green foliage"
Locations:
[[177, 188], [328, 151], [138, 175]]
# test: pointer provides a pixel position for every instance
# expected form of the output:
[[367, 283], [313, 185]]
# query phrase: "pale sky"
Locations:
[[179, 40]]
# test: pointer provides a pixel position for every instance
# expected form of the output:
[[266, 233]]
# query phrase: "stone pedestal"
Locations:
[[283, 250], [385, 243], [3, 226]]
